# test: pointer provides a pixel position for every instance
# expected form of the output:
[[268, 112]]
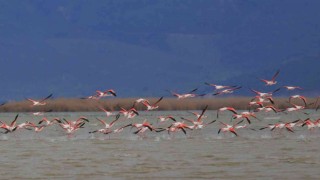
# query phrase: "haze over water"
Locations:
[[202, 154]]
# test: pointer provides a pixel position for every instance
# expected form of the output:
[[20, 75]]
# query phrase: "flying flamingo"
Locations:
[[272, 127], [129, 114], [106, 125], [260, 99], [295, 108], [228, 128], [109, 130], [198, 115], [145, 123], [151, 106], [290, 88], [40, 102], [304, 99], [108, 113], [310, 124], [48, 122], [94, 97], [37, 128], [71, 127], [272, 81], [9, 128], [198, 124], [280, 126], [106, 93], [166, 118], [176, 126], [267, 109], [265, 95], [140, 100], [292, 124], [231, 109], [219, 87], [40, 113], [226, 91], [245, 115], [190, 94], [24, 125]]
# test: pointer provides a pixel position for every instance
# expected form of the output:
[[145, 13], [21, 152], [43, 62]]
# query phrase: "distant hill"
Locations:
[[142, 48]]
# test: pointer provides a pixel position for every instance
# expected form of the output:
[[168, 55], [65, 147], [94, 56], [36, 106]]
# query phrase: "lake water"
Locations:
[[202, 154]]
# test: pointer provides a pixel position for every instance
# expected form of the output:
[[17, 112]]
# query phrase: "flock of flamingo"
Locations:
[[261, 102]]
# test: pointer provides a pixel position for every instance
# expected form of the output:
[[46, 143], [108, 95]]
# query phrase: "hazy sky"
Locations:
[[142, 48]]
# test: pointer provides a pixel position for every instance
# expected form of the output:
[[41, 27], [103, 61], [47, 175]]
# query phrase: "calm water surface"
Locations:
[[202, 154]]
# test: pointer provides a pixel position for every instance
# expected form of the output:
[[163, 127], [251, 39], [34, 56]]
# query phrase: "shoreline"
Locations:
[[114, 104]]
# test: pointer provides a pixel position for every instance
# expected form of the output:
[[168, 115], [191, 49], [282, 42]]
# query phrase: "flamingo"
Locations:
[[109, 131], [265, 95], [80, 120], [24, 125], [145, 123], [9, 128], [304, 99], [272, 127], [267, 109], [108, 113], [294, 108], [106, 125], [198, 124], [106, 93], [231, 109], [71, 127], [198, 115], [310, 125], [272, 81], [290, 88], [140, 100], [153, 106], [281, 126], [142, 127], [227, 91], [191, 94], [129, 114], [245, 115], [260, 99], [37, 128], [176, 126], [74, 128], [258, 103], [219, 87], [39, 113], [166, 118], [94, 97], [40, 102], [317, 123], [228, 128], [241, 126], [48, 122], [292, 124], [141, 131]]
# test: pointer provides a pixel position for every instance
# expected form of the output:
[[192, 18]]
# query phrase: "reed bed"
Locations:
[[114, 104]]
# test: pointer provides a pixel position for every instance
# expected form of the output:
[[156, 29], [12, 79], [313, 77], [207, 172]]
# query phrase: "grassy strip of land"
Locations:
[[114, 104]]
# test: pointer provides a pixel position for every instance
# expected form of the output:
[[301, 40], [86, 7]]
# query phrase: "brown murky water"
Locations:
[[202, 154]]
